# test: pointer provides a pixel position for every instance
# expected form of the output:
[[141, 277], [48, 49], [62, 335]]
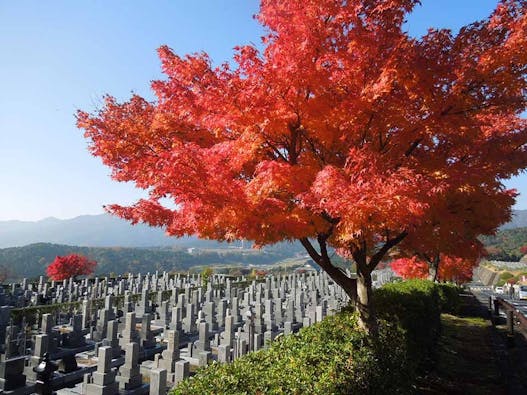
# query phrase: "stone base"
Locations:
[[94, 389], [11, 373]]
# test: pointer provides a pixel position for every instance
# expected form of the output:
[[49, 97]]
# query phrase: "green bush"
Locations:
[[506, 275], [331, 357], [449, 298], [416, 305]]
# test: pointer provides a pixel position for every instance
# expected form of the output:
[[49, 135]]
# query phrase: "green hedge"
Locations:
[[331, 357], [416, 304], [449, 298]]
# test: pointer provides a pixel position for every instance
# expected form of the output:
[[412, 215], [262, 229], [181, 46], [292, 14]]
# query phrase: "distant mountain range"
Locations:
[[519, 220], [105, 230], [102, 230]]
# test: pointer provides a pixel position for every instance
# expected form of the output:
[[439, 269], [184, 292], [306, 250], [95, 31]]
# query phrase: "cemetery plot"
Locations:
[[144, 334]]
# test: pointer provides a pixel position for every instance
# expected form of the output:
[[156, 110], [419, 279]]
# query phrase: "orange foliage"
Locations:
[[343, 129]]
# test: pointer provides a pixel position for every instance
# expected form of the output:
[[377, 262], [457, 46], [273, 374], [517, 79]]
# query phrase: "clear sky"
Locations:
[[60, 56]]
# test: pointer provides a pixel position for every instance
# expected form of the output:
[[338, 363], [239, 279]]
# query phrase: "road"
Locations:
[[483, 293]]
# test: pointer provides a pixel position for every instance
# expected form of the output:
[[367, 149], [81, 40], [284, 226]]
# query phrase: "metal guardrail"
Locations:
[[508, 308]]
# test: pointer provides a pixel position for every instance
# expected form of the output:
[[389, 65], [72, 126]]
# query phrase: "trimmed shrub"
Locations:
[[330, 357], [449, 298], [416, 305]]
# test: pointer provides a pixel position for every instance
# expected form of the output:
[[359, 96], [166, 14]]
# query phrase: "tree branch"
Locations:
[[292, 149], [323, 260], [317, 152], [412, 147], [376, 258], [310, 250], [330, 219], [323, 248], [366, 129], [276, 150]]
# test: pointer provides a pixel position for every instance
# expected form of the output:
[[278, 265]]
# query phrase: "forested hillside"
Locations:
[[506, 245], [32, 260]]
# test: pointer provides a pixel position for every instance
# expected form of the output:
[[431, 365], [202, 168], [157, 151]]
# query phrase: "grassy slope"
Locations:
[[467, 363]]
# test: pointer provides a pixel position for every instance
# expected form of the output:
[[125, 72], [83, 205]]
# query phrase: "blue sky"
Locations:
[[59, 56]]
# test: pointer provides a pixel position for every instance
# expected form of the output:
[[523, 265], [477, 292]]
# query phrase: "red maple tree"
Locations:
[[454, 269], [410, 267], [453, 228], [342, 132], [64, 267]]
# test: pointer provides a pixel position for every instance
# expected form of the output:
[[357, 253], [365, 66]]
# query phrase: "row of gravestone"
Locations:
[[192, 327], [26, 294]]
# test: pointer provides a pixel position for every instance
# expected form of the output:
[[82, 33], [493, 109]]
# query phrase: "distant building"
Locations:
[[308, 267]]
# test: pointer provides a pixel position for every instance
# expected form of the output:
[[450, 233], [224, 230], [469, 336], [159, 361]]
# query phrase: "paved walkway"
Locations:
[[511, 354]]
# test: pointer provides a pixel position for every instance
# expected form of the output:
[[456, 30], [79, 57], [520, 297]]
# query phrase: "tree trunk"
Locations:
[[349, 285], [432, 273], [359, 290], [433, 268], [364, 302]]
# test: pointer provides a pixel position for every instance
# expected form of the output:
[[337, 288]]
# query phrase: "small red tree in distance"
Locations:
[[456, 269], [410, 268], [64, 267]]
